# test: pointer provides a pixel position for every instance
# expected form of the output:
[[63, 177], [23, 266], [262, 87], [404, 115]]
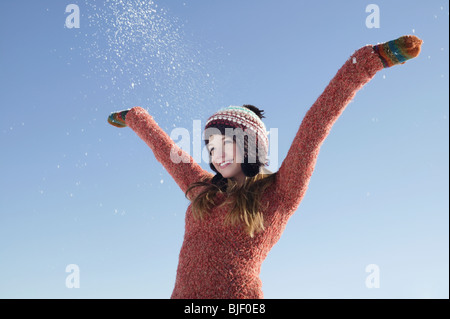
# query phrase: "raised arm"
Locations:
[[179, 164], [296, 170]]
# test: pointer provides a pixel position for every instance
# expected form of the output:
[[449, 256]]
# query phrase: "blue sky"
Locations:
[[78, 191]]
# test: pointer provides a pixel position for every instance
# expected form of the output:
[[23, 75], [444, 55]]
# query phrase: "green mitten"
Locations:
[[118, 118], [398, 51]]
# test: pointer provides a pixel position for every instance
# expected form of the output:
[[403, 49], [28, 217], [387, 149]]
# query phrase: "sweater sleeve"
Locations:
[[179, 164], [297, 167]]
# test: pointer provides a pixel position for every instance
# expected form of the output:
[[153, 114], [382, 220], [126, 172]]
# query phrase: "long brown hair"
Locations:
[[247, 199]]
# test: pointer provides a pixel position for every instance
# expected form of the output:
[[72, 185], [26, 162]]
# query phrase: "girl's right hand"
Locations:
[[117, 119]]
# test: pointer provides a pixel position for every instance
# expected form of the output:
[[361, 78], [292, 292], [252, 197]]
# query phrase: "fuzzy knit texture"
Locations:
[[117, 119], [222, 261], [398, 51]]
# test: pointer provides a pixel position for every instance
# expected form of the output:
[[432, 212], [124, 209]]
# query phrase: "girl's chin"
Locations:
[[228, 171]]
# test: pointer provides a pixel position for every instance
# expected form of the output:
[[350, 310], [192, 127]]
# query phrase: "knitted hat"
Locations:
[[241, 121]]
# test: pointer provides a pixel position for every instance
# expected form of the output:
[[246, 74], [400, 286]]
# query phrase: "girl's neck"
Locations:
[[239, 179]]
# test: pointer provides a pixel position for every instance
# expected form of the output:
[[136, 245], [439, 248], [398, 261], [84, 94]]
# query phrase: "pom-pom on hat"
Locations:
[[242, 120]]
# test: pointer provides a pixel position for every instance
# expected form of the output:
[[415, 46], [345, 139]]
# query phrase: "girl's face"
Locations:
[[222, 150]]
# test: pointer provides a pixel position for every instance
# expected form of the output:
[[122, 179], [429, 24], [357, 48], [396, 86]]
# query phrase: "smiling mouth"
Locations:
[[225, 164]]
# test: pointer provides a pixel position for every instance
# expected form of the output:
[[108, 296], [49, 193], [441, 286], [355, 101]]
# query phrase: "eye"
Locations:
[[225, 142]]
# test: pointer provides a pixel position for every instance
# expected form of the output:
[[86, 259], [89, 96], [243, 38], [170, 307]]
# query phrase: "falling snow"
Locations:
[[141, 52]]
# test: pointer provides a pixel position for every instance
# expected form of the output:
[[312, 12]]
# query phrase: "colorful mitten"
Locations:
[[118, 118], [398, 51]]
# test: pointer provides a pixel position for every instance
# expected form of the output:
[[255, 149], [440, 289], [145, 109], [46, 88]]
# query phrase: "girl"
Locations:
[[238, 214]]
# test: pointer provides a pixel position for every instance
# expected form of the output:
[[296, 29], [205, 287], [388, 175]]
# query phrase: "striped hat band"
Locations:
[[240, 117]]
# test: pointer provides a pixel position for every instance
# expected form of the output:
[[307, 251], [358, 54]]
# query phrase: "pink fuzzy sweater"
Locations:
[[218, 261]]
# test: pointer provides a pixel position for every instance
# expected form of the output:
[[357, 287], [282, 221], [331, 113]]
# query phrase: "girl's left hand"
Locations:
[[117, 119]]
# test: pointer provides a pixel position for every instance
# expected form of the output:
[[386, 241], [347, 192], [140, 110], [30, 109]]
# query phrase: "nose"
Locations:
[[221, 154], [218, 158]]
